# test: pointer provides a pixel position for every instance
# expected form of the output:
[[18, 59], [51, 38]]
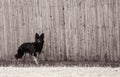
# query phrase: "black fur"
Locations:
[[31, 48]]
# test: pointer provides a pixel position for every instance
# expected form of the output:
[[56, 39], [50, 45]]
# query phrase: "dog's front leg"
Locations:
[[35, 59]]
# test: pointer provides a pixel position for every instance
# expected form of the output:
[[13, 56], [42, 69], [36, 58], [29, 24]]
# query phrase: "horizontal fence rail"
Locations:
[[75, 30]]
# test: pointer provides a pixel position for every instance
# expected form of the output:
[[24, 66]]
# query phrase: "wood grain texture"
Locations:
[[75, 30]]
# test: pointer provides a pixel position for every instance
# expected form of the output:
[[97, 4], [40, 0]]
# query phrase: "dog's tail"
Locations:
[[16, 56], [19, 54]]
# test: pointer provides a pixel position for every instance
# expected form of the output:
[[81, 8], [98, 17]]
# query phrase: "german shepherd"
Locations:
[[33, 48]]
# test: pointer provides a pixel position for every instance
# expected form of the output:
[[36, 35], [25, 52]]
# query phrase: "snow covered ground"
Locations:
[[59, 72]]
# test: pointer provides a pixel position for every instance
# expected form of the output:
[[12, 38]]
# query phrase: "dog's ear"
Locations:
[[37, 36], [42, 36]]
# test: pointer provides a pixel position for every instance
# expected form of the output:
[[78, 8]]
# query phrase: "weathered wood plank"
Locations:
[[75, 30]]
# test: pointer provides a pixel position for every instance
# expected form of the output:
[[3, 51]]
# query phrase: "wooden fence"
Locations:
[[75, 30]]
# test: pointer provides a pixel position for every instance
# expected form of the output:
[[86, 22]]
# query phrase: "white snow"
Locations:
[[59, 72]]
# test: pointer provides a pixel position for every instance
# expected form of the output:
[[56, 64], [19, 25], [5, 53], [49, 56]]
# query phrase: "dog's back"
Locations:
[[24, 48]]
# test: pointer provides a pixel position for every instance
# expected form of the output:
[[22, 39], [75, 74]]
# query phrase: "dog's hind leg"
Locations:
[[35, 59], [24, 57]]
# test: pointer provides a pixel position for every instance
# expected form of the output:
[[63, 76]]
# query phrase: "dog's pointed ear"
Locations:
[[42, 36], [36, 36]]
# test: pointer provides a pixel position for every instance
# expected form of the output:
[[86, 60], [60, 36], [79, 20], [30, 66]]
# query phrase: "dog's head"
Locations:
[[39, 38]]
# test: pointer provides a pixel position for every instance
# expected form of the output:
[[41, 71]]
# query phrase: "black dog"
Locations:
[[31, 48]]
